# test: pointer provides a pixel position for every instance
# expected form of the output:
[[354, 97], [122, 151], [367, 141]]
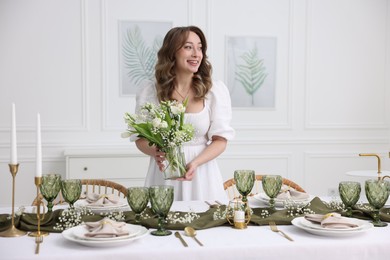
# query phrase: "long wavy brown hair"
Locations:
[[165, 67]]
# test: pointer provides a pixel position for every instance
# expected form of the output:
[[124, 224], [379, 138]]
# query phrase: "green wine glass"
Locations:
[[271, 186], [349, 193], [50, 187], [138, 198], [161, 199], [71, 190], [377, 194], [245, 179]]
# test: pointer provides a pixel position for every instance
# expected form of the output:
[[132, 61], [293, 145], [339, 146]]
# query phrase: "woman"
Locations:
[[183, 72]]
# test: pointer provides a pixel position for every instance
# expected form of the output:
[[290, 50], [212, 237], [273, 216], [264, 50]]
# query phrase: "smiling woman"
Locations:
[[183, 73]]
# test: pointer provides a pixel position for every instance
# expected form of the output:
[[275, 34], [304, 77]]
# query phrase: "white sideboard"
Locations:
[[122, 166]]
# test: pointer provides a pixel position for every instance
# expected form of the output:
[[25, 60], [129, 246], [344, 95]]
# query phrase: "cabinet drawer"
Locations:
[[107, 167]]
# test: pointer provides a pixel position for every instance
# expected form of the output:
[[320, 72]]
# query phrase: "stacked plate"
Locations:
[[317, 229], [77, 234], [122, 205], [262, 197]]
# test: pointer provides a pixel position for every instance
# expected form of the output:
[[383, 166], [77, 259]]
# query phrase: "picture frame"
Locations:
[[139, 42], [251, 71]]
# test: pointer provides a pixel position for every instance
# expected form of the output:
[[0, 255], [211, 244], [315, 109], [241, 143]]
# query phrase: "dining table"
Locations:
[[219, 242]]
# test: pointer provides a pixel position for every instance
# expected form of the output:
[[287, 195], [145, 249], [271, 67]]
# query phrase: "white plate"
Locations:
[[356, 221], [80, 231], [332, 233], [68, 235], [278, 202], [121, 206]]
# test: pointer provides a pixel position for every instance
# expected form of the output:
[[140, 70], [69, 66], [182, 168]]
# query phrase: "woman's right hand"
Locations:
[[159, 157]]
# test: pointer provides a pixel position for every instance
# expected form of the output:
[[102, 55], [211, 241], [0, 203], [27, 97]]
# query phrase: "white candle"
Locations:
[[39, 148], [14, 156], [239, 216]]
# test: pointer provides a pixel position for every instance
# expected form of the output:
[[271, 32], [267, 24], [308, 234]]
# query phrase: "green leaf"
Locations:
[[139, 59], [251, 74]]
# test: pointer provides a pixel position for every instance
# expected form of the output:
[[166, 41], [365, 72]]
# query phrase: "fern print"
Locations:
[[252, 73], [139, 59]]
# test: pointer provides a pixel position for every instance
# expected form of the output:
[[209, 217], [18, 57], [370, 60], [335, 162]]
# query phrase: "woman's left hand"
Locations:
[[190, 174]]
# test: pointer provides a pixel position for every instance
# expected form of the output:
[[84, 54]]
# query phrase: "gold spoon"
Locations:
[[189, 231]]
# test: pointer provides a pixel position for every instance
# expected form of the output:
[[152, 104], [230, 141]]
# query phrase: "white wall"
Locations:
[[60, 58]]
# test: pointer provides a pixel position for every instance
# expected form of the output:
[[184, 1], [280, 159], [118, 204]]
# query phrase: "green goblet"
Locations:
[[138, 198], [349, 193], [71, 190], [271, 186], [377, 194], [161, 199], [50, 187], [245, 179]]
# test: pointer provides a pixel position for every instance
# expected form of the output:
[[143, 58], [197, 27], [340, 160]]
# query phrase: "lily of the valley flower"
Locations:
[[178, 109]]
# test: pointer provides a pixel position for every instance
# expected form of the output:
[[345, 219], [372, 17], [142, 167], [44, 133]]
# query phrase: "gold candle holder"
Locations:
[[238, 213], [40, 217], [13, 231]]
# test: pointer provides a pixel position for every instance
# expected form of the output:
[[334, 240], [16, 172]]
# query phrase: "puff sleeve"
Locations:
[[220, 107], [146, 93]]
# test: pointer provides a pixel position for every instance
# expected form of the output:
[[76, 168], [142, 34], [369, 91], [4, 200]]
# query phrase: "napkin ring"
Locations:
[[327, 216]]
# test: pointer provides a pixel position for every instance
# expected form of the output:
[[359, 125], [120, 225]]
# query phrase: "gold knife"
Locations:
[[177, 234]]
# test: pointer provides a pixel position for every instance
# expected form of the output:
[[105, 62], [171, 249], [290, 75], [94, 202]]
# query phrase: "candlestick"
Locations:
[[14, 157], [39, 148], [13, 231], [40, 217]]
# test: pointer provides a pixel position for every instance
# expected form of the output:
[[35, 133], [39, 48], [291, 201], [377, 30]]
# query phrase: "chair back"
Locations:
[[102, 186], [230, 186]]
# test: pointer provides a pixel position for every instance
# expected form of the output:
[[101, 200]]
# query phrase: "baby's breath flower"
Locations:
[[296, 208], [174, 217], [114, 215], [219, 214], [71, 218]]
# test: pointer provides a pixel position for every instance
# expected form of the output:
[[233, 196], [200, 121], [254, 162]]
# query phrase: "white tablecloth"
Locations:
[[255, 242]]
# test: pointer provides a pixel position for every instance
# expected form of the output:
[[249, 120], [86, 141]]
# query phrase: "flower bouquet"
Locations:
[[163, 126]]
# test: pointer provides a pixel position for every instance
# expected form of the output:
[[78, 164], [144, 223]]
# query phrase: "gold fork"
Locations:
[[38, 241], [274, 228]]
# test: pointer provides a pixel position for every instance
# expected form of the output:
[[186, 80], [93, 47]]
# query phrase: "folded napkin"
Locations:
[[102, 199], [106, 228], [332, 220], [292, 194]]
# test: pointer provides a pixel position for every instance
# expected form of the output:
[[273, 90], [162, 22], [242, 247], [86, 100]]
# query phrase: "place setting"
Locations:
[[336, 225], [102, 203], [108, 232], [276, 194], [332, 224], [104, 233]]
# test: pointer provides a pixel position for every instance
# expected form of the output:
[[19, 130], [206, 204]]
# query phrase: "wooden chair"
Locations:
[[102, 186], [230, 186]]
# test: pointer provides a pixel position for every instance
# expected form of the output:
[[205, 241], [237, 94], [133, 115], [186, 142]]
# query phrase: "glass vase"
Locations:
[[175, 163]]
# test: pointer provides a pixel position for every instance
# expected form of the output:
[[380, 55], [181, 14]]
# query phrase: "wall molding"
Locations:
[[328, 126]]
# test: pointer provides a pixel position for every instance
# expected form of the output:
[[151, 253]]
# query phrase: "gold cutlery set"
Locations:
[[190, 232]]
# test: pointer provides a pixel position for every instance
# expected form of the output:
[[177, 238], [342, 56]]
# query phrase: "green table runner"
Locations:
[[210, 218]]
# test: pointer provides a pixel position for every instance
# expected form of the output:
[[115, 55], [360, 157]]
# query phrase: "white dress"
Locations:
[[214, 119]]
